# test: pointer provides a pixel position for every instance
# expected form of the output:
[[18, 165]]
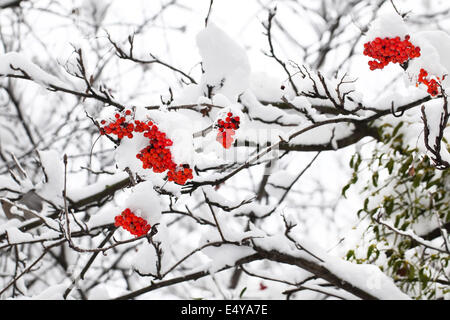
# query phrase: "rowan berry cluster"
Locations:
[[227, 129], [129, 221], [160, 159], [180, 174], [433, 85], [390, 50], [156, 155], [120, 127]]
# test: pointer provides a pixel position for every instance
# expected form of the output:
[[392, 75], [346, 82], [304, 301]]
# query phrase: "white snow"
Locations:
[[7, 182], [99, 292], [145, 202], [225, 63], [8, 224], [103, 217], [145, 260], [54, 292], [78, 193], [125, 153], [388, 25], [13, 60], [53, 167], [369, 278], [226, 255], [366, 277], [17, 236]]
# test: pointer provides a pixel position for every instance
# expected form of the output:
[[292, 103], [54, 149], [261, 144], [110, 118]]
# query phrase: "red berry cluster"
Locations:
[[390, 50], [433, 85], [121, 128], [129, 221], [156, 154], [227, 129]]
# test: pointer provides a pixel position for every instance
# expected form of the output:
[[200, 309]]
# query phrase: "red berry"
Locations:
[[132, 223], [432, 85], [227, 129], [390, 50]]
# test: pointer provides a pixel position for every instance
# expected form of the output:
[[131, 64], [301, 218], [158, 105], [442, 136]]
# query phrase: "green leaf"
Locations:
[[423, 277], [389, 206], [366, 203], [417, 180], [350, 254], [397, 127], [370, 251], [406, 165], [432, 183], [405, 225], [344, 189], [375, 179], [397, 221], [242, 292], [390, 165], [358, 162], [352, 161], [411, 272]]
